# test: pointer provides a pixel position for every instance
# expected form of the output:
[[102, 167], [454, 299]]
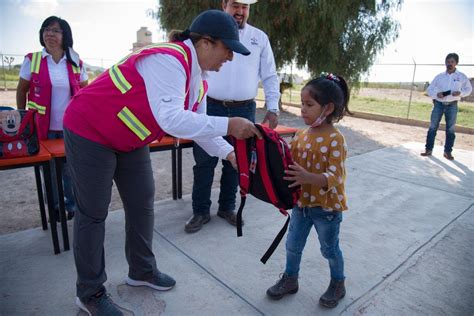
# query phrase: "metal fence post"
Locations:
[[4, 74], [411, 88], [291, 80]]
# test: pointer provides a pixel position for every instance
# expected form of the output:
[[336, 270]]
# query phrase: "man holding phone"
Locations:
[[446, 90]]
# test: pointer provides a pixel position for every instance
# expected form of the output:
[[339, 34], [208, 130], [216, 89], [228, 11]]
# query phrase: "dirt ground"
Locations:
[[19, 202]]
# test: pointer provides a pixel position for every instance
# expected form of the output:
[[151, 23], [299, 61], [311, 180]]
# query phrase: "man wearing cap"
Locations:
[[232, 93], [107, 128]]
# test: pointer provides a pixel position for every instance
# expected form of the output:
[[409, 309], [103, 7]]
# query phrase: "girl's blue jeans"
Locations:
[[327, 227]]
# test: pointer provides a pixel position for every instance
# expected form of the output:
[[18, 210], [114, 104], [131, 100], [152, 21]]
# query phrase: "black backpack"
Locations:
[[261, 166]]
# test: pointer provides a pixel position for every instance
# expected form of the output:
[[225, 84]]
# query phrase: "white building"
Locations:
[[144, 38]]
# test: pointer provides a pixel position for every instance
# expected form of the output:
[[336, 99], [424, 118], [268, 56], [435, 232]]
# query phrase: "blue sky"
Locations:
[[104, 31]]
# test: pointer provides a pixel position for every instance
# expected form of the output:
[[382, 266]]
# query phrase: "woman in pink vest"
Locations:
[[48, 80], [154, 91]]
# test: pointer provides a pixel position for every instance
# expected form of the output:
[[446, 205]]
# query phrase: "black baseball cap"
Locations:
[[220, 25]]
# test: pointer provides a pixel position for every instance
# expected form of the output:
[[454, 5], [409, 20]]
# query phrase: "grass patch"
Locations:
[[8, 84], [391, 85], [418, 110]]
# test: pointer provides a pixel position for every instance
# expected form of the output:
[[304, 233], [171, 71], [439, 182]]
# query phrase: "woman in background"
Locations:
[[48, 80]]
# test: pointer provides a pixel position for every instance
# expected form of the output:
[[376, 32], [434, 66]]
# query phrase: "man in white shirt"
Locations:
[[446, 90], [232, 92]]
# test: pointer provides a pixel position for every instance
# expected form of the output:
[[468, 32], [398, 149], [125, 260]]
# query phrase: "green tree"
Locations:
[[339, 36]]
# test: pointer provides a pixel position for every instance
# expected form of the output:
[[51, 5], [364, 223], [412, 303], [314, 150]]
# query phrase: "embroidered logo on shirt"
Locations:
[[167, 99], [253, 41]]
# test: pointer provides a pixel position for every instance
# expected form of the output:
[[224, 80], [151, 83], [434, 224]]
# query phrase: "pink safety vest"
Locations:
[[114, 110], [39, 96]]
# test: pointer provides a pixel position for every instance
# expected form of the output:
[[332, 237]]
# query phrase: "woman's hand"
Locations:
[[242, 128], [232, 159]]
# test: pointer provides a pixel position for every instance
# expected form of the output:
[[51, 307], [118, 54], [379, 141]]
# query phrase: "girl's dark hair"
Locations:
[[330, 89], [67, 35]]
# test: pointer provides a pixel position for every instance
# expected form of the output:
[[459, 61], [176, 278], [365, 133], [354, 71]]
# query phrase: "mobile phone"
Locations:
[[447, 92]]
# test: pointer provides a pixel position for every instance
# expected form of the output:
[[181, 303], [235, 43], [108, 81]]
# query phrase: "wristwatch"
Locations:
[[275, 111]]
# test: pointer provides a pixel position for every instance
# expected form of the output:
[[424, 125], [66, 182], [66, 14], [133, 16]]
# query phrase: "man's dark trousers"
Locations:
[[205, 166]]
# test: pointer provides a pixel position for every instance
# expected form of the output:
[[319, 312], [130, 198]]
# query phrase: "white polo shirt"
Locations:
[[165, 80], [61, 91], [238, 80], [456, 81]]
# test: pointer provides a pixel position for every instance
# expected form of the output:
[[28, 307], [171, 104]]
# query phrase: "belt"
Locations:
[[448, 103], [229, 103]]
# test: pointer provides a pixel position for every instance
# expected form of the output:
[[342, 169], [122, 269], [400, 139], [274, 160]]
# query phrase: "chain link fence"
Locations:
[[11, 64], [404, 97], [396, 90]]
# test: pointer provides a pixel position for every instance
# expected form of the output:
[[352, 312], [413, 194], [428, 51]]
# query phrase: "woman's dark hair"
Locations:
[[67, 35], [181, 36], [329, 88], [453, 56]]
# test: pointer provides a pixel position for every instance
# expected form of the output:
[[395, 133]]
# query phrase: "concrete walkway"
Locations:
[[407, 241]]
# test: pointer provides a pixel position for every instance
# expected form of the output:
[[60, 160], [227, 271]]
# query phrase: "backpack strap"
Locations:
[[275, 242], [263, 168], [244, 180], [267, 183]]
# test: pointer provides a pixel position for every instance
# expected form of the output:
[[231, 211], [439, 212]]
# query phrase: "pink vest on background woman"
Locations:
[[114, 110], [39, 96]]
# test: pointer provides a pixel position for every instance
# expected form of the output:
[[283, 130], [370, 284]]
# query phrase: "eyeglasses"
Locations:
[[54, 31]]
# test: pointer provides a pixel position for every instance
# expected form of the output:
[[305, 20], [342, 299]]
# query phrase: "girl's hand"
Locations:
[[297, 174]]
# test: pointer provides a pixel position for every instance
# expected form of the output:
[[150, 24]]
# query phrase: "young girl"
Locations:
[[319, 153]]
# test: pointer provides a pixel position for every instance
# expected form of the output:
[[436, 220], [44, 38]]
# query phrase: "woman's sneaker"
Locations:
[[99, 304], [160, 282], [286, 285]]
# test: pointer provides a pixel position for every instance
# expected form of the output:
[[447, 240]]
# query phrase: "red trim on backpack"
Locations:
[[267, 182], [245, 151], [243, 166]]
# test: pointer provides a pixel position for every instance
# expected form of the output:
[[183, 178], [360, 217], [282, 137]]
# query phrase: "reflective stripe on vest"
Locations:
[[160, 45], [76, 70], [35, 62], [118, 78], [126, 116], [201, 92], [41, 109]]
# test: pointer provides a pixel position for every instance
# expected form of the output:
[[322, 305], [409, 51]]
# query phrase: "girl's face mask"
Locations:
[[319, 120]]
